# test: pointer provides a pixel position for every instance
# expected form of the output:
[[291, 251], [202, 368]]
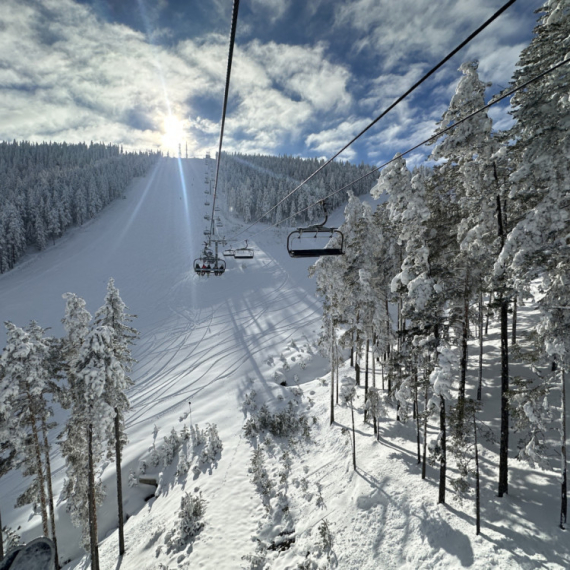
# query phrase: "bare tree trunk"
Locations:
[[92, 503], [443, 464], [464, 338], [514, 331], [564, 494], [413, 374], [119, 483], [424, 451], [332, 374], [50, 493], [366, 379], [1, 539], [336, 360], [374, 361], [389, 355], [480, 383], [399, 326], [477, 487], [488, 312], [40, 475], [353, 437], [504, 440], [417, 418], [504, 304]]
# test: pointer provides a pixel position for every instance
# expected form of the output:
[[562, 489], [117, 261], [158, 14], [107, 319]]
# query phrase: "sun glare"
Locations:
[[173, 135]]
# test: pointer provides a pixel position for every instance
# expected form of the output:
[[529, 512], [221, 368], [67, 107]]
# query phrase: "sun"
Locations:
[[173, 134]]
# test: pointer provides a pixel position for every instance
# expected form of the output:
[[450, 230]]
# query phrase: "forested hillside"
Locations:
[[483, 231], [46, 188], [254, 184]]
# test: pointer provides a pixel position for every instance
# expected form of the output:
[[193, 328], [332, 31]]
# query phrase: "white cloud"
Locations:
[[275, 9], [65, 74], [410, 30], [330, 141], [304, 72]]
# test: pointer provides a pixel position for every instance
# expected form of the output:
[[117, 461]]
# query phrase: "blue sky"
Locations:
[[307, 76]]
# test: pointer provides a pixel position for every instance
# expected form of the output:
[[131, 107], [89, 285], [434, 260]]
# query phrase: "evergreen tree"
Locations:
[[96, 372], [113, 315], [23, 385], [539, 180]]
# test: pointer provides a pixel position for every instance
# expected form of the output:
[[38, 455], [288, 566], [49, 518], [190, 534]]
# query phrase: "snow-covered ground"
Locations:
[[214, 341]]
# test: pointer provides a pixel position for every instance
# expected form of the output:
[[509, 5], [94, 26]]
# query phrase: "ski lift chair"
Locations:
[[297, 240], [244, 252], [200, 266], [229, 252], [219, 267]]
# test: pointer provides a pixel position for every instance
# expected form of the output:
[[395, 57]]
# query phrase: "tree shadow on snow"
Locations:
[[442, 536]]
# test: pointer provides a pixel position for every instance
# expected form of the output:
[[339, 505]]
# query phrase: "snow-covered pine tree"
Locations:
[[414, 286], [113, 314], [469, 151], [537, 245], [23, 386], [96, 371], [7, 447], [24, 383], [47, 366], [441, 379]]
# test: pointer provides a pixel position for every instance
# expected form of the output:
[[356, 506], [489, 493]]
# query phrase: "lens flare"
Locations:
[[173, 134]]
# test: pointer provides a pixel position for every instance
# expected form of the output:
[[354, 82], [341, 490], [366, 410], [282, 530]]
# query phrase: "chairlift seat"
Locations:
[[317, 231], [243, 253]]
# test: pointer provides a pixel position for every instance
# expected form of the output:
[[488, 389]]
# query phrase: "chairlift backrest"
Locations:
[[316, 231], [243, 254], [295, 250]]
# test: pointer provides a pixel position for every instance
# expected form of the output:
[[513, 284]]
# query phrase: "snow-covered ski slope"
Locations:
[[203, 339], [211, 341]]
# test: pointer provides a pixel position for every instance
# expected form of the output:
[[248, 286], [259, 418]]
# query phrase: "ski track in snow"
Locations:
[[210, 341]]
